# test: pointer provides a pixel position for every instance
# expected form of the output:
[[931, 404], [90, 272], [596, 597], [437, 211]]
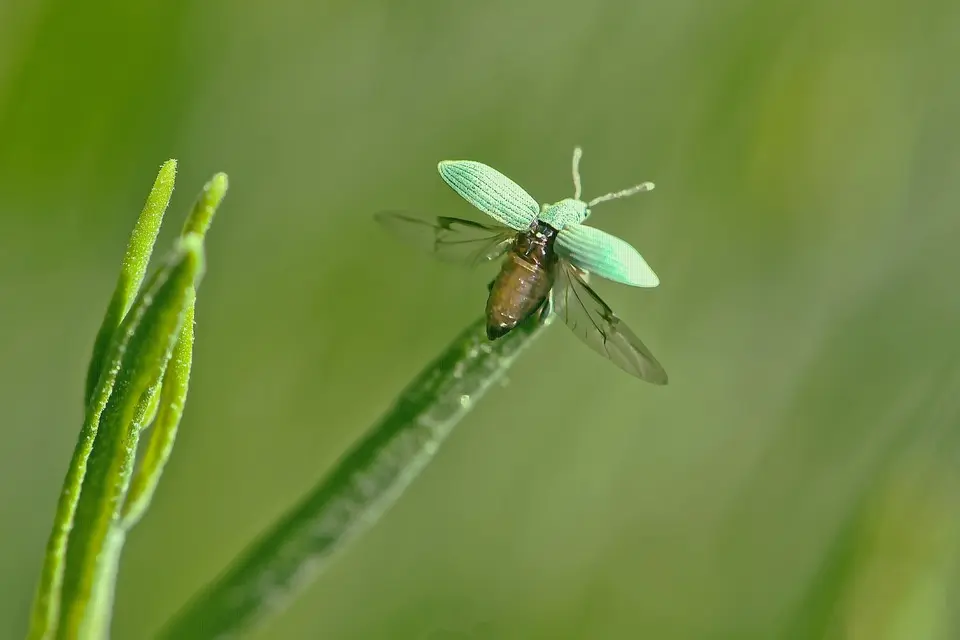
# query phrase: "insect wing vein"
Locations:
[[450, 239], [592, 320]]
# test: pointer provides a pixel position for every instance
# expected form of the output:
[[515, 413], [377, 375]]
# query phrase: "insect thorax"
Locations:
[[560, 214]]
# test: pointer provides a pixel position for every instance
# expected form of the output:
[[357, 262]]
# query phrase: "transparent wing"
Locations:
[[490, 191], [595, 324], [450, 239], [605, 255]]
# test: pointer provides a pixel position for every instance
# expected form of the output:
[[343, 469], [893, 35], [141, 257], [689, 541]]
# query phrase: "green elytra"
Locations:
[[584, 246]]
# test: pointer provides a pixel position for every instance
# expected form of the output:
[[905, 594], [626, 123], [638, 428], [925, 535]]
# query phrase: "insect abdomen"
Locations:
[[524, 281], [518, 291]]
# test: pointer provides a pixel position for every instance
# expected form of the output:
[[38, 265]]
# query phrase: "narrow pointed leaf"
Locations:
[[172, 397], [170, 400], [134, 267], [206, 206], [104, 363]]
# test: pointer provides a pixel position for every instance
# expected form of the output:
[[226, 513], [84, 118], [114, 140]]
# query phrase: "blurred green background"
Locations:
[[797, 479]]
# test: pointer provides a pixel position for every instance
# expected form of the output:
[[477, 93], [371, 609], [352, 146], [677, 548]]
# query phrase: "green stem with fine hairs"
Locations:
[[361, 487]]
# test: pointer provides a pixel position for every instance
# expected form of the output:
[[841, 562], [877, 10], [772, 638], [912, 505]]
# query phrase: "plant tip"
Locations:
[[218, 184], [167, 173]]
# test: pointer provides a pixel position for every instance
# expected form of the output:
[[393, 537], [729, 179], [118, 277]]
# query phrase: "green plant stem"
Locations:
[[143, 347], [101, 375], [360, 488], [127, 386]]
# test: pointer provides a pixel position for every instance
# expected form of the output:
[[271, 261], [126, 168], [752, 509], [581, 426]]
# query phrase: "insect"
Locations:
[[548, 255]]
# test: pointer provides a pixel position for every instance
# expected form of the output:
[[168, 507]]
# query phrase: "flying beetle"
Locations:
[[549, 253]]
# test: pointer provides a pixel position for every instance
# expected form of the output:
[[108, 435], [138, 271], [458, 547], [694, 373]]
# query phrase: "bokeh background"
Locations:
[[797, 479]]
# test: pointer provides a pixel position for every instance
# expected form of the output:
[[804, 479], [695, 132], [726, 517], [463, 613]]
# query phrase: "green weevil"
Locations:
[[549, 254]]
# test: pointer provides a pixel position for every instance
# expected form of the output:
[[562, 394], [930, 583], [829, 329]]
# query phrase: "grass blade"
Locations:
[[134, 267], [361, 487]]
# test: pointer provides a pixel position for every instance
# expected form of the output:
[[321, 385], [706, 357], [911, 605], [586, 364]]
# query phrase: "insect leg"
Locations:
[[546, 308]]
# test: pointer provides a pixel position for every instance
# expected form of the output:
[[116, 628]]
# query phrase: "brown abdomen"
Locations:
[[518, 291], [524, 281]]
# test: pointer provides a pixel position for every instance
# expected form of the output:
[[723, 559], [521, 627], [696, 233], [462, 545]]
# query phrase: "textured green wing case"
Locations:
[[490, 191], [605, 255]]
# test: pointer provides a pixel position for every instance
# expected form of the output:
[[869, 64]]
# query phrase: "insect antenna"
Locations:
[[643, 186], [578, 185], [577, 190]]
